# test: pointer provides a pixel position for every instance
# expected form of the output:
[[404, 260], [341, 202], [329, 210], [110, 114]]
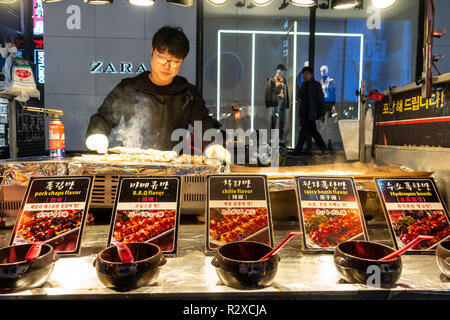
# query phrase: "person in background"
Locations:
[[277, 99], [329, 91], [161, 101], [312, 108]]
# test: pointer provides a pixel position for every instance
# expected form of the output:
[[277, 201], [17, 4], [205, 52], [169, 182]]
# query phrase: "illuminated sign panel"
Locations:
[[39, 60], [122, 67], [38, 18]]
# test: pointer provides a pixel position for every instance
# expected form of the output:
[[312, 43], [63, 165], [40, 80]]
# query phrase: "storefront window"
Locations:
[[350, 45]]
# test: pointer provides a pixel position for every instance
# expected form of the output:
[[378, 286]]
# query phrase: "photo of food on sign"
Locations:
[[235, 224], [154, 226], [408, 224], [59, 228], [327, 227]]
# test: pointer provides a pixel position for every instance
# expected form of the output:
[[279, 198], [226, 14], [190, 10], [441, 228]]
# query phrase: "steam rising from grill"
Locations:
[[132, 134]]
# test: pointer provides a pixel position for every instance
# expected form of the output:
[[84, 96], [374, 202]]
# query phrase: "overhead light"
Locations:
[[345, 4], [49, 1], [184, 3], [324, 4], [303, 3], [383, 4], [142, 3], [218, 2], [98, 1], [261, 3], [7, 1]]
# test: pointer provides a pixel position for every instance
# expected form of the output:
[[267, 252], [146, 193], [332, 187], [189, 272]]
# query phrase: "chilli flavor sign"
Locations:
[[330, 212], [146, 209], [414, 207], [54, 211], [237, 209]]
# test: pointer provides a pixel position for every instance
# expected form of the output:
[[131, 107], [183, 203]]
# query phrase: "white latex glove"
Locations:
[[218, 152], [98, 142]]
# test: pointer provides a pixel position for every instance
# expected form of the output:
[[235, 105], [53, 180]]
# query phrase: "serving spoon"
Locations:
[[34, 251], [278, 247], [125, 254], [399, 252]]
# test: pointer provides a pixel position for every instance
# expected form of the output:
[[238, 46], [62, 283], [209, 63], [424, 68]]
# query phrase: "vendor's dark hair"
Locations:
[[171, 39], [308, 69]]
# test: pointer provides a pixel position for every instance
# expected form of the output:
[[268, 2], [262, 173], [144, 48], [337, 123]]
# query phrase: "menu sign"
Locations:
[[329, 212], [237, 209], [146, 209], [54, 211], [414, 207]]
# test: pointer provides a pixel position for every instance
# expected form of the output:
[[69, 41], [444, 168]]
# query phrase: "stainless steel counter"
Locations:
[[190, 275]]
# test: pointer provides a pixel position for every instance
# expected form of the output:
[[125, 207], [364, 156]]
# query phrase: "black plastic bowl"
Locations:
[[237, 264], [443, 257], [144, 271], [25, 274], [357, 262]]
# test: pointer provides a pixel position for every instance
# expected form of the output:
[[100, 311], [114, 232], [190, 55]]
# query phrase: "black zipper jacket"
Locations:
[[151, 112], [312, 102]]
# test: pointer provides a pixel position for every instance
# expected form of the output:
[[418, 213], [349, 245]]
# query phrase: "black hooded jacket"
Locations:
[[312, 102], [152, 112]]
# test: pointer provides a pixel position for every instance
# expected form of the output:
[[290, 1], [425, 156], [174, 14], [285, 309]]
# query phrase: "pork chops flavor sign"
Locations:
[[146, 209], [54, 211], [238, 209], [330, 212]]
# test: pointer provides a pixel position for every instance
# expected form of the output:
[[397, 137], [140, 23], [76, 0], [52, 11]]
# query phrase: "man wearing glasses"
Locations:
[[154, 104]]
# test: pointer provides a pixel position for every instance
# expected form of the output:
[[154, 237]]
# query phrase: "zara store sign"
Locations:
[[73, 22], [121, 68]]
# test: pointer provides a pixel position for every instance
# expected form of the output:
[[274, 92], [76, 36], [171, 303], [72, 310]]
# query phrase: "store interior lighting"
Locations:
[[383, 4], [345, 4], [261, 3], [184, 3], [303, 3], [218, 2], [7, 1], [98, 1], [50, 1], [142, 3]]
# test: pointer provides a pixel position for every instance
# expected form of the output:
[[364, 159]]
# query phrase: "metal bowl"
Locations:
[[357, 262], [237, 265], [443, 257], [144, 271], [25, 274]]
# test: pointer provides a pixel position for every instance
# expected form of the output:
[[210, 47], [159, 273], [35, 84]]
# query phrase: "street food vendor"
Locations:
[[156, 102]]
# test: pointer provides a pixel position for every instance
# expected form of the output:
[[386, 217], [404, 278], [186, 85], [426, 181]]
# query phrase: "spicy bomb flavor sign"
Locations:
[[414, 207], [54, 211], [329, 212], [237, 209], [146, 209]]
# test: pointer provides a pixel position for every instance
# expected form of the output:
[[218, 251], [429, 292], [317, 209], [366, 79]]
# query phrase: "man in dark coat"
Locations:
[[312, 108], [153, 104], [277, 99]]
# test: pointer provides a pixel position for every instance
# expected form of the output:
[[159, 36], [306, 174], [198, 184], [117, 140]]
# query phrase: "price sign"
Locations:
[[54, 211], [238, 209], [414, 207], [329, 212], [146, 209]]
